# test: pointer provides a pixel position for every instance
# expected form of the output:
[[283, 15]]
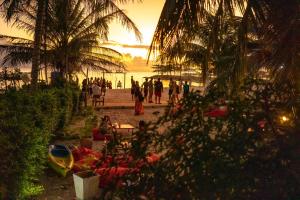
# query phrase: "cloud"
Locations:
[[136, 63], [135, 46], [134, 56]]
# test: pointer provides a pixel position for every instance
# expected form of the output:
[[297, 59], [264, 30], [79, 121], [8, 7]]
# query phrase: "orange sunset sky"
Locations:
[[145, 15]]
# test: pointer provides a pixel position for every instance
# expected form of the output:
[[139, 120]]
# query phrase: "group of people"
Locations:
[[87, 84], [176, 89], [95, 87], [145, 93]]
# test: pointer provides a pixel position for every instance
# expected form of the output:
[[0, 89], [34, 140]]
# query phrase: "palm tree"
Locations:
[[276, 23], [73, 37], [193, 48], [14, 8]]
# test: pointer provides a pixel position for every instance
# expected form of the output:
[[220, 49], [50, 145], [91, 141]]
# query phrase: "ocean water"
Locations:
[[125, 78]]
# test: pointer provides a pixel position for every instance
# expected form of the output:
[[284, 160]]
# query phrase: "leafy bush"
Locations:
[[90, 123], [249, 154], [27, 122]]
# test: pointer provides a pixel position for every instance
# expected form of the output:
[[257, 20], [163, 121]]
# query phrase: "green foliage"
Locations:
[[27, 122], [230, 157], [90, 123]]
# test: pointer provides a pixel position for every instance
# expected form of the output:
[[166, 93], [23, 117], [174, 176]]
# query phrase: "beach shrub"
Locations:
[[91, 122], [28, 120], [250, 153]]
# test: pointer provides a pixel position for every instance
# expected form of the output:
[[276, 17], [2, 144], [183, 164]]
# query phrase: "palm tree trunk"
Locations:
[[5, 78], [37, 43], [86, 88], [297, 83], [46, 73], [45, 41]]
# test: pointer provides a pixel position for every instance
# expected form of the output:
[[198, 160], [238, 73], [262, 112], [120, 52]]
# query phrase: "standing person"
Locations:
[[119, 85], [90, 83], [158, 89], [100, 82], [186, 89], [84, 85], [103, 87], [137, 87], [174, 93], [132, 87], [96, 93], [107, 84], [177, 87], [146, 88], [180, 86], [84, 91], [170, 88], [138, 107], [150, 85]]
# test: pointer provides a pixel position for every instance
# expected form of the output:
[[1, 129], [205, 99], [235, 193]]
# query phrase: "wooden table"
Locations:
[[127, 127], [124, 131]]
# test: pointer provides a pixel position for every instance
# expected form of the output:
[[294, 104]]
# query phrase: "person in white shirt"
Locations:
[[96, 93]]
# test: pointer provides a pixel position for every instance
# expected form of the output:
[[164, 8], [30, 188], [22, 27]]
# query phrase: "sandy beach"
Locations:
[[122, 98]]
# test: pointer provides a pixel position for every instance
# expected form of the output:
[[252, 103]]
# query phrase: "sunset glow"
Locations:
[[145, 15]]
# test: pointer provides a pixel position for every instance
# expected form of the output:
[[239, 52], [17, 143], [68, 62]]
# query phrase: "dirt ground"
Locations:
[[59, 188]]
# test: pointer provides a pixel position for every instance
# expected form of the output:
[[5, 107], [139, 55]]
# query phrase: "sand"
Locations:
[[118, 98]]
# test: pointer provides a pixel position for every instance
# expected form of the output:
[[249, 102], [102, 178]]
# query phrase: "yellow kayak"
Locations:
[[60, 159]]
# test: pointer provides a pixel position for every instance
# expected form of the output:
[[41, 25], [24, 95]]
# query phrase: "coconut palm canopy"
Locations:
[[73, 36], [195, 48], [275, 23]]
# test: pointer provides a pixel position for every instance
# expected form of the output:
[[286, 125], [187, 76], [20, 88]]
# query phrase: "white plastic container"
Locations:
[[86, 185]]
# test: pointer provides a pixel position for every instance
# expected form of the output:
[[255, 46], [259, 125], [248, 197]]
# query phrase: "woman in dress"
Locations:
[[138, 108]]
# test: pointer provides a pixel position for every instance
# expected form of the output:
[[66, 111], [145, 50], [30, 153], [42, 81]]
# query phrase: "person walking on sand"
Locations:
[[158, 89], [150, 85], [145, 86], [138, 107]]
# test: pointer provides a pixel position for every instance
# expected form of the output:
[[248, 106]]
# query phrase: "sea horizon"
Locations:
[[114, 77]]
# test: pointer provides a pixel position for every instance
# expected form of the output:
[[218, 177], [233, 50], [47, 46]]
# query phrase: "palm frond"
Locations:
[[73, 36]]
